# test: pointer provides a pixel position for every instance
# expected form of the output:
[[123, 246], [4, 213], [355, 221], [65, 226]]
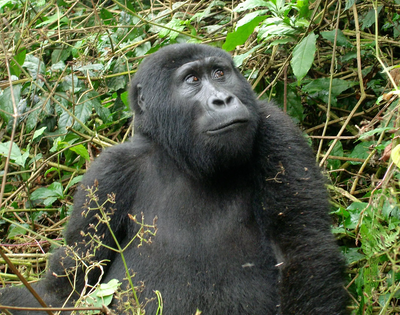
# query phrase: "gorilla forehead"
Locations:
[[171, 58], [174, 56]]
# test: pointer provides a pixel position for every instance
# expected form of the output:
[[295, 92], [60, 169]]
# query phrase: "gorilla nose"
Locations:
[[220, 100]]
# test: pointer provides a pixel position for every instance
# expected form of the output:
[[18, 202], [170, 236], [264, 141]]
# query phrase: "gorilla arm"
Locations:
[[114, 172], [298, 224]]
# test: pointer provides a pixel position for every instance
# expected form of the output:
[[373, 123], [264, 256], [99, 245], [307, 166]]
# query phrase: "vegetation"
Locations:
[[333, 66]]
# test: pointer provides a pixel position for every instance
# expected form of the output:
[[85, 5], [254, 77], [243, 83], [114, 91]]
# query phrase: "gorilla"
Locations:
[[240, 206]]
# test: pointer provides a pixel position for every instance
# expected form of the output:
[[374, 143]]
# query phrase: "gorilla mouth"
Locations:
[[228, 126]]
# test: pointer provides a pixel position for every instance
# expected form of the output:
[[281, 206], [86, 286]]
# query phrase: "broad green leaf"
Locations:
[[249, 17], [320, 88], [53, 190], [120, 82], [341, 38], [33, 64], [76, 179], [354, 210], [15, 155], [53, 18], [238, 59], [51, 169], [352, 255], [295, 108], [60, 54], [251, 4], [6, 105], [70, 83], [275, 26], [81, 150], [103, 295], [21, 160], [374, 131], [14, 230], [361, 151], [302, 6], [240, 36], [17, 60], [337, 151], [108, 288], [369, 18], [395, 155], [303, 56], [82, 112], [349, 4], [174, 24], [38, 132], [106, 16], [33, 116]]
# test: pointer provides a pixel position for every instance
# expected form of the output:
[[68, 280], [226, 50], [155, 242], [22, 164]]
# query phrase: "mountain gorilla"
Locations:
[[241, 207]]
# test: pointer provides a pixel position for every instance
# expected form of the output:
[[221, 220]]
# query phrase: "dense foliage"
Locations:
[[333, 66]]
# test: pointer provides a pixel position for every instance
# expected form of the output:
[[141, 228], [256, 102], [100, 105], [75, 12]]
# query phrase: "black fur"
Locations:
[[242, 213]]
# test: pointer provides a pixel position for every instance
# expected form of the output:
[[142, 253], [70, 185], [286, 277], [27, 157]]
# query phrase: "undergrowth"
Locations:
[[333, 66]]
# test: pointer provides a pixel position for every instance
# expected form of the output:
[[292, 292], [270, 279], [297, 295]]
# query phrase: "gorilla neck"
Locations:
[[201, 165]]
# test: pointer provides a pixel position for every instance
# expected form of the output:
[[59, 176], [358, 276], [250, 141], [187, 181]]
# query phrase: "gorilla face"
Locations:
[[208, 84], [213, 118], [221, 123]]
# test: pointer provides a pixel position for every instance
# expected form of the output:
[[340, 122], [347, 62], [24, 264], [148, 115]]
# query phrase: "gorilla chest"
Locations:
[[208, 252], [201, 219]]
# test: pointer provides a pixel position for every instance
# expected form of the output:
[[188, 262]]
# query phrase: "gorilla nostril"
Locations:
[[218, 102], [229, 99]]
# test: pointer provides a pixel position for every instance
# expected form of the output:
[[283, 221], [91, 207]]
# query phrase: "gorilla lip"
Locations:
[[228, 126]]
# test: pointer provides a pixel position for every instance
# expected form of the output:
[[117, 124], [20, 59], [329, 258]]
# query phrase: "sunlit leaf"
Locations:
[[303, 56], [395, 155]]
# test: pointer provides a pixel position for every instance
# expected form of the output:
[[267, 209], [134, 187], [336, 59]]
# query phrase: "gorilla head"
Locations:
[[191, 100]]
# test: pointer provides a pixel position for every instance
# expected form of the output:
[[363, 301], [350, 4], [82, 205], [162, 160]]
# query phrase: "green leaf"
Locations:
[[108, 288], [106, 16], [361, 151], [240, 36], [303, 56], [349, 4], [174, 24], [17, 60], [49, 194], [320, 88], [374, 131], [38, 132], [6, 105], [81, 150], [341, 38], [103, 295], [34, 66], [60, 54], [395, 155], [82, 112], [352, 254], [16, 154], [14, 230], [238, 59], [369, 18], [251, 4], [249, 17], [76, 179], [33, 116], [302, 6]]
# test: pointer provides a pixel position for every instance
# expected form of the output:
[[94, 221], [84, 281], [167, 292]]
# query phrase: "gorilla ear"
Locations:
[[140, 98]]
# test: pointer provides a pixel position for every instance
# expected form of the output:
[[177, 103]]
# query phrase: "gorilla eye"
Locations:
[[192, 79], [218, 73]]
